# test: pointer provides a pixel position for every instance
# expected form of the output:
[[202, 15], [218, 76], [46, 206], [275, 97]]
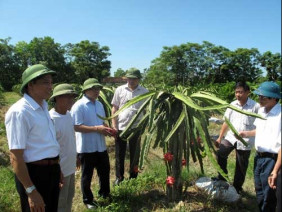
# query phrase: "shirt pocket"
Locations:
[[248, 122]]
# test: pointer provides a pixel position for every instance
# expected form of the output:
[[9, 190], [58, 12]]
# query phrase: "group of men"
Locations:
[[264, 134], [47, 147]]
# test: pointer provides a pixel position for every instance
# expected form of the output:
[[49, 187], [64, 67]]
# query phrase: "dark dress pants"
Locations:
[[46, 180], [134, 151], [242, 162], [278, 191], [265, 195], [89, 161]]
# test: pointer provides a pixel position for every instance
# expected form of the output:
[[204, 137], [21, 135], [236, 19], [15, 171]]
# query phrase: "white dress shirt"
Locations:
[[30, 127], [241, 122], [268, 132], [122, 95]]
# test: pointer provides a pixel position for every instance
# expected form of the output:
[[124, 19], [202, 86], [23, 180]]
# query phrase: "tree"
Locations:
[[46, 51], [243, 64], [194, 64], [216, 60], [89, 60], [119, 73], [272, 64], [9, 69]]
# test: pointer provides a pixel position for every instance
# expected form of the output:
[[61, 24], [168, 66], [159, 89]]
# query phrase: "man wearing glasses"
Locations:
[[90, 141], [267, 142], [229, 143]]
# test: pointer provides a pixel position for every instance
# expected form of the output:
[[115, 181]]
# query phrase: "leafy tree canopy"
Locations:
[[192, 63]]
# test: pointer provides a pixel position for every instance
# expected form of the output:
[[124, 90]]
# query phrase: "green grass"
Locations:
[[11, 97], [146, 193], [9, 200]]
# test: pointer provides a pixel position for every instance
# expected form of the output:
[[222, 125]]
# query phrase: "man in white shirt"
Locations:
[[63, 98], [90, 133], [122, 95], [230, 142], [267, 142], [34, 150]]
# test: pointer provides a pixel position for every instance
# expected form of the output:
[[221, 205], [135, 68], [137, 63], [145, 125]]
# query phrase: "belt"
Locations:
[[46, 162], [267, 155]]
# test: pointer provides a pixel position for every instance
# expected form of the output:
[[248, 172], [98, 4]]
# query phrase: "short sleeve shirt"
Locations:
[[268, 132], [29, 127], [122, 95], [66, 137], [85, 112], [241, 122]]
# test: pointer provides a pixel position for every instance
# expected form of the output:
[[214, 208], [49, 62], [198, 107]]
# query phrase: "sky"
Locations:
[[136, 31]]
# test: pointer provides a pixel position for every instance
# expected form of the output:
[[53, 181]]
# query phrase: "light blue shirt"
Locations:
[[84, 112], [29, 127]]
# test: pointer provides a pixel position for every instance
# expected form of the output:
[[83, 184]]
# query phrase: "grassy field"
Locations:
[[146, 193]]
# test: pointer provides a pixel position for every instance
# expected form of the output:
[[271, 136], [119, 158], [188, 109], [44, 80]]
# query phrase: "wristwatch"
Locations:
[[28, 190]]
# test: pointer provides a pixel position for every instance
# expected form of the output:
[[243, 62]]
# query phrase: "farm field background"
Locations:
[[146, 193]]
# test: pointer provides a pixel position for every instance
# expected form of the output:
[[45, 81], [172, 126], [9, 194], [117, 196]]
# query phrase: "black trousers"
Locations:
[[46, 180], [134, 151], [89, 161], [278, 191], [242, 162]]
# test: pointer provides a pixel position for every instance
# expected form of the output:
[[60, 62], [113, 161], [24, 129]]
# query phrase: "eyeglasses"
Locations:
[[263, 97]]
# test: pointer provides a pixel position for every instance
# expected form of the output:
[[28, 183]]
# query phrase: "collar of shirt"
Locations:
[[246, 104], [275, 110], [86, 100], [136, 89], [33, 103]]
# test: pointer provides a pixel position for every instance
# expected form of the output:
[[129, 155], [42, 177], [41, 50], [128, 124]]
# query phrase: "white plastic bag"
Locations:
[[218, 189]]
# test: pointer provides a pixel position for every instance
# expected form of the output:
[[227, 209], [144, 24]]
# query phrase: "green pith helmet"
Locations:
[[90, 83], [133, 73], [33, 72], [269, 89], [62, 89]]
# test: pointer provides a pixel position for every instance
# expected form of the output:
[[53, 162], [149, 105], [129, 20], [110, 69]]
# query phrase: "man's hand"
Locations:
[[217, 142], [61, 184], [272, 180], [243, 134], [104, 130], [36, 202]]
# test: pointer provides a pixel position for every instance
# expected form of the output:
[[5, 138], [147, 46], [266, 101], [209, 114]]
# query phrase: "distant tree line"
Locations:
[[186, 64], [73, 62], [194, 64]]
